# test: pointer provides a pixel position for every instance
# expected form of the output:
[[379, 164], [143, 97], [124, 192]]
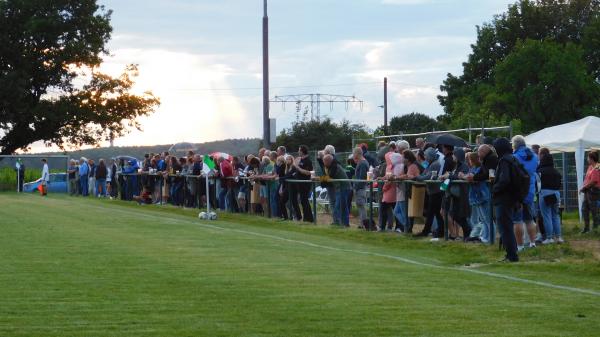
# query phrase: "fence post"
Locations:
[[407, 192], [492, 228], [446, 225], [248, 196], [198, 194], [160, 192], [314, 201], [565, 179], [184, 188], [268, 199], [371, 203]]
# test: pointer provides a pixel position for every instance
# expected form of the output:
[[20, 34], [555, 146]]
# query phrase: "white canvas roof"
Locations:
[[584, 133], [577, 137]]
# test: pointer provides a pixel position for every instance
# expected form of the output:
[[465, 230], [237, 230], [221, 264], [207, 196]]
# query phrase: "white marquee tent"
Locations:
[[577, 137]]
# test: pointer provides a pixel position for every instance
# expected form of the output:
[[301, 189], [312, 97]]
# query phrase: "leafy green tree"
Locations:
[[544, 83], [474, 95], [46, 47], [412, 123], [317, 133]]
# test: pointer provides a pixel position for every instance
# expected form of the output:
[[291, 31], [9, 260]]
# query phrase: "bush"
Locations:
[[8, 177]]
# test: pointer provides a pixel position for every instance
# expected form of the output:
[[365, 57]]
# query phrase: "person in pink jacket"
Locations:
[[394, 164]]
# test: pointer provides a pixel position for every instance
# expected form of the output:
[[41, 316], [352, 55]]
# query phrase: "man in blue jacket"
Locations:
[[131, 183], [84, 171], [526, 214]]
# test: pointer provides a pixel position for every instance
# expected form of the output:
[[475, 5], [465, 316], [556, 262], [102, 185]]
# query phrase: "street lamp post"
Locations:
[[266, 122]]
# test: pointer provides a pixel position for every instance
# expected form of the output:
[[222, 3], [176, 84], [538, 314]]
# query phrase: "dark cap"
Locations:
[[502, 146]]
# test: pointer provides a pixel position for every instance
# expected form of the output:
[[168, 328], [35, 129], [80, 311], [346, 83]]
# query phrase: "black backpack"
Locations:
[[520, 180]]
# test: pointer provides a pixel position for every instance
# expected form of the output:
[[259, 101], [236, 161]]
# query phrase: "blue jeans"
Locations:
[[175, 193], [274, 199], [223, 198], [101, 185], [83, 184], [550, 214], [341, 196], [481, 221], [401, 213], [332, 195]]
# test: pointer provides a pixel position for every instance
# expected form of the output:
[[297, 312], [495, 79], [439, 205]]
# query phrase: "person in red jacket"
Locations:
[[591, 191], [225, 195]]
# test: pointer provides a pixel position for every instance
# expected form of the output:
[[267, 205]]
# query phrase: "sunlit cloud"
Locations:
[[190, 110]]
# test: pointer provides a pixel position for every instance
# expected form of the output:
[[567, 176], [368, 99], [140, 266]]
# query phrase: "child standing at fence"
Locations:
[[479, 199]]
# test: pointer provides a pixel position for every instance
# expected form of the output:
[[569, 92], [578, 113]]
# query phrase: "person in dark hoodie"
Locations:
[[549, 199], [504, 197]]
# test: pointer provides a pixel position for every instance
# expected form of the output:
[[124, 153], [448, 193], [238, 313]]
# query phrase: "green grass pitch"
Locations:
[[85, 267]]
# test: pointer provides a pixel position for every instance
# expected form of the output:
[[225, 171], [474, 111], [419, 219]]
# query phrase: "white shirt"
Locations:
[[45, 173]]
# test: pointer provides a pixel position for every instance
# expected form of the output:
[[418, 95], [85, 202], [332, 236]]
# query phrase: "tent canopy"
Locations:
[[575, 137], [584, 133]]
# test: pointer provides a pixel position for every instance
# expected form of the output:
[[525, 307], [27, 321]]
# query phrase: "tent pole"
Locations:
[[565, 177]]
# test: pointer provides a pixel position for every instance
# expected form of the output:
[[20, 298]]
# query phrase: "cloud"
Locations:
[[188, 112], [415, 67]]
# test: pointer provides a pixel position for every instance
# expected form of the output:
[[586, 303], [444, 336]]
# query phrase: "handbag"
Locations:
[[550, 199]]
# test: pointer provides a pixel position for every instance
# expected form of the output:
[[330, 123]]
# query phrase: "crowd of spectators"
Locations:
[[469, 192]]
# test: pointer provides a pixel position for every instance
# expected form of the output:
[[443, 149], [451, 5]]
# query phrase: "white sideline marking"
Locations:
[[409, 261], [361, 252]]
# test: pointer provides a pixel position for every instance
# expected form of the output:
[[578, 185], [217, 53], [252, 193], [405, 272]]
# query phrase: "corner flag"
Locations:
[[209, 164]]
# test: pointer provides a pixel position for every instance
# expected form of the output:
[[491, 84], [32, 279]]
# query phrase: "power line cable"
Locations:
[[281, 87]]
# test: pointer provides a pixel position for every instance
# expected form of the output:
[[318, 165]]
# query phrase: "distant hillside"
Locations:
[[236, 147]]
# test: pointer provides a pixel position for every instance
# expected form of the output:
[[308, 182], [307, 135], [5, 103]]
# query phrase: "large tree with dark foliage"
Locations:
[[317, 133], [50, 89], [538, 64], [411, 123]]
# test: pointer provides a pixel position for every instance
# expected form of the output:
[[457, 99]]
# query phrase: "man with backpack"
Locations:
[[527, 213], [506, 196]]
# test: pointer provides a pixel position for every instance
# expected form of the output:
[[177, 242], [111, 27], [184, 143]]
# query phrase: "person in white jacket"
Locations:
[[45, 177]]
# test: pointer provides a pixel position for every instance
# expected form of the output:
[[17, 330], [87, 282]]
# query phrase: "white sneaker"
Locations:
[[520, 248], [398, 230], [548, 242], [560, 240], [532, 245], [434, 240]]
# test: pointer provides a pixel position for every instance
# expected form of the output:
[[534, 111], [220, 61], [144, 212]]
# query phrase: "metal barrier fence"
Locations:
[[132, 184], [565, 164]]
